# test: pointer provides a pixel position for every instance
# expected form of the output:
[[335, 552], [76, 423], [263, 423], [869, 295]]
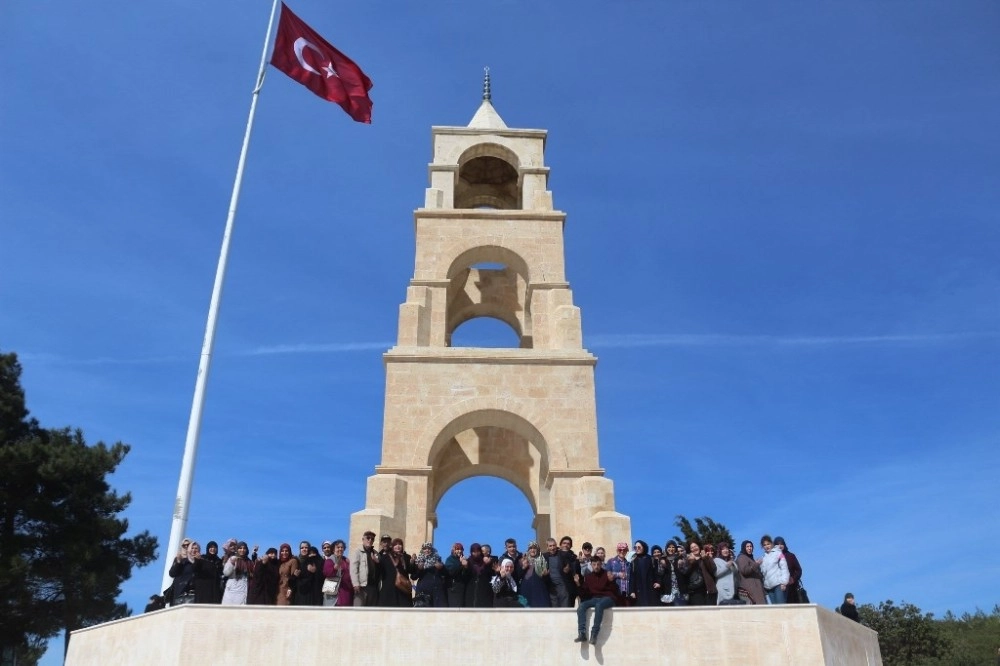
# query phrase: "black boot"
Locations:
[[581, 637], [593, 637]]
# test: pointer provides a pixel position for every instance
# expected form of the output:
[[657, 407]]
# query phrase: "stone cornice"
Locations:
[[489, 213], [488, 355]]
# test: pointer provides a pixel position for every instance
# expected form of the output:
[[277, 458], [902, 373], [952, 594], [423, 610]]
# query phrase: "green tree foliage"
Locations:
[[705, 530], [905, 635], [974, 639], [63, 549]]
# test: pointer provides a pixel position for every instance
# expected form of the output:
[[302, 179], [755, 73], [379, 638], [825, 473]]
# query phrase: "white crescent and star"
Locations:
[[303, 43]]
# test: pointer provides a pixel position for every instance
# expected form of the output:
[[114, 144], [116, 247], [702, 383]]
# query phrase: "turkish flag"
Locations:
[[302, 54]]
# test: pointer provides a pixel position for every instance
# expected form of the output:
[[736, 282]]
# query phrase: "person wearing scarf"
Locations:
[[264, 581], [751, 579], [286, 568], [479, 594], [533, 580], [458, 574], [182, 571], [505, 594], [336, 567], [642, 577], [212, 561], [794, 572], [430, 577], [237, 570]]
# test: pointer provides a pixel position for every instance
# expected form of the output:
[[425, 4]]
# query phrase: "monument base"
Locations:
[[245, 635]]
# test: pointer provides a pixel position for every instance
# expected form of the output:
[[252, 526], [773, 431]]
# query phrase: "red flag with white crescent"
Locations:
[[302, 54]]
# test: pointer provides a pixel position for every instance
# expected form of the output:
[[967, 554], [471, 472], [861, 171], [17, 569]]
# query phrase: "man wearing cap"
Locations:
[[849, 609], [365, 572]]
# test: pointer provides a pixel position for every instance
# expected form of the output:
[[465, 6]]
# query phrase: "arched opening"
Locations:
[[483, 509], [494, 443], [488, 178], [488, 332], [488, 282]]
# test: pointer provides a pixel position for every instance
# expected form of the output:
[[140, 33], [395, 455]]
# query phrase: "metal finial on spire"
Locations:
[[486, 84]]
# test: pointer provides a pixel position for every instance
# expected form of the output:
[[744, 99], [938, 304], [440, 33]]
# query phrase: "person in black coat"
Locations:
[[396, 562], [848, 609], [308, 581]]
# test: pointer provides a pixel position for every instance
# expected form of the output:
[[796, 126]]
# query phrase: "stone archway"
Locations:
[[490, 442]]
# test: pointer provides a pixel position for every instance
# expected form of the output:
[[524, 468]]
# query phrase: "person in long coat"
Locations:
[[642, 577], [751, 579], [264, 580], [308, 577], [337, 567], [287, 566], [395, 562], [794, 572], [533, 582], [458, 576]]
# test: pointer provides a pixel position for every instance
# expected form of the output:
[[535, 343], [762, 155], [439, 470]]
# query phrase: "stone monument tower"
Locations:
[[490, 244]]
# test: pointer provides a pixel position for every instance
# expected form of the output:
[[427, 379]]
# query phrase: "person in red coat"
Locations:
[[598, 591]]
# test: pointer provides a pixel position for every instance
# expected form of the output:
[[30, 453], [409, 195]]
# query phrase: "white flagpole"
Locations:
[[183, 501]]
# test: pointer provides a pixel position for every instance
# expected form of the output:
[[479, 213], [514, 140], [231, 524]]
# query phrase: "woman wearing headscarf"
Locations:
[[673, 582], [204, 583], [479, 593], [430, 576], [182, 571], [337, 568], [533, 586], [395, 565], [237, 570], [287, 566], [642, 577], [794, 572], [458, 575], [264, 580], [308, 577], [751, 579], [212, 560], [505, 594]]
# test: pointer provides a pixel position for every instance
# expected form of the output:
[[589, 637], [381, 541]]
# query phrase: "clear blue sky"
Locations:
[[783, 235]]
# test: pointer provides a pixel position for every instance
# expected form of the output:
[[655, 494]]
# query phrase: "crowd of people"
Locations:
[[678, 574]]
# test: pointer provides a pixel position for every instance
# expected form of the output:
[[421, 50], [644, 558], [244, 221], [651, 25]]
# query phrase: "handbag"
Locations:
[[403, 583], [803, 596], [331, 586]]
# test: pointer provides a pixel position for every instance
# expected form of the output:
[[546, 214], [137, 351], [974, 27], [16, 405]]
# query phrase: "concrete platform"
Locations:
[[247, 635]]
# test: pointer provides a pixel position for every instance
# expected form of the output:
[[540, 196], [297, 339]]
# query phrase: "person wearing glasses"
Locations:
[[365, 572], [618, 569], [182, 571], [644, 586]]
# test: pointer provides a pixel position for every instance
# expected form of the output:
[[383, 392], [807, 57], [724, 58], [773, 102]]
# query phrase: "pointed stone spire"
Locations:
[[487, 117]]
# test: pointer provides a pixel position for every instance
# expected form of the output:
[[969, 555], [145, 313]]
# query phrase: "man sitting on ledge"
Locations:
[[599, 592]]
